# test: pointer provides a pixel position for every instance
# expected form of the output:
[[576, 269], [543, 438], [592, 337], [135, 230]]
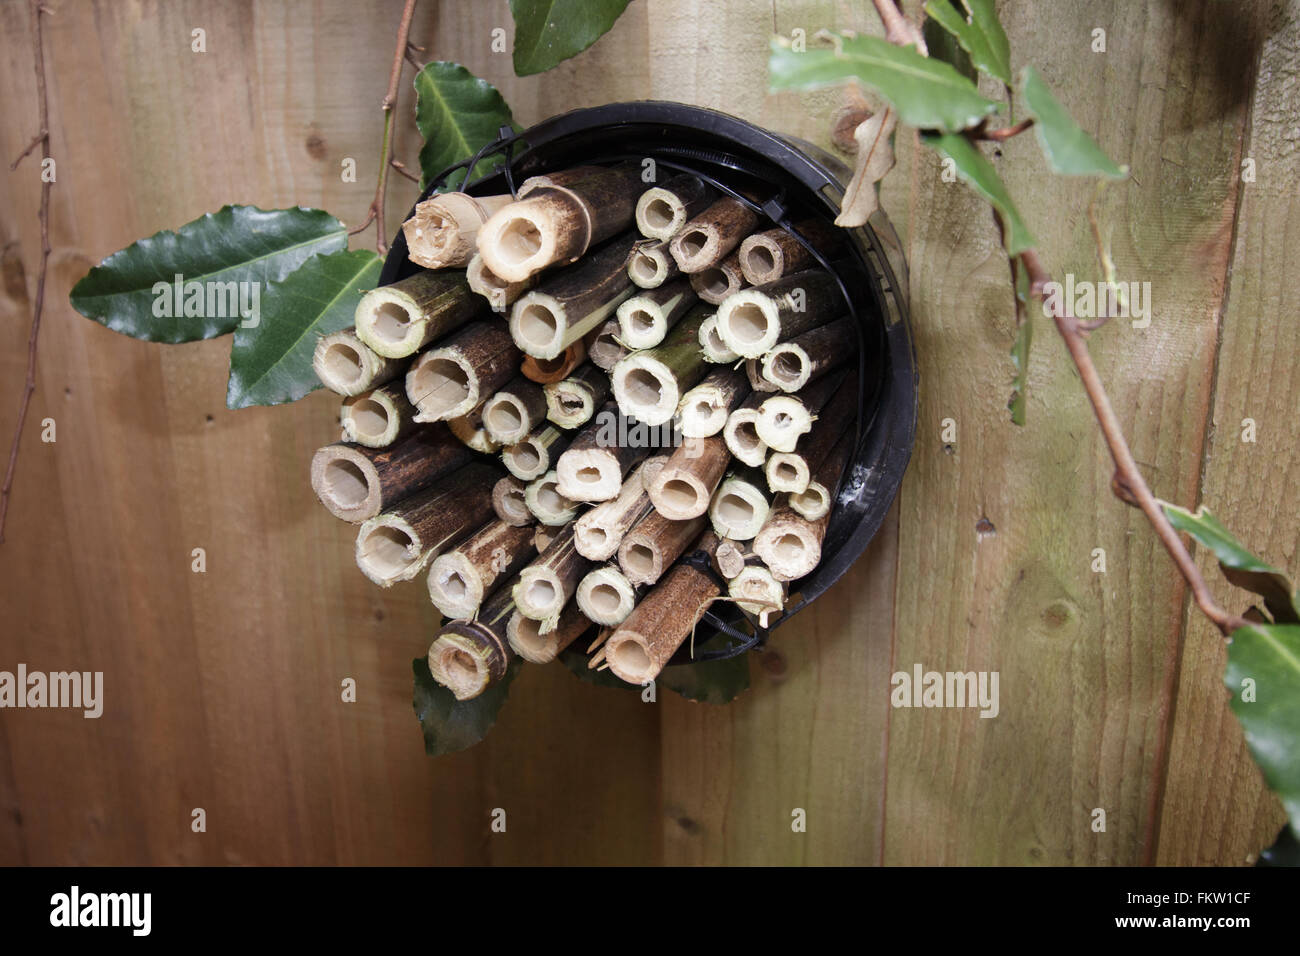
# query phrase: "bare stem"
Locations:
[[375, 213], [43, 139], [1005, 133], [1128, 483]]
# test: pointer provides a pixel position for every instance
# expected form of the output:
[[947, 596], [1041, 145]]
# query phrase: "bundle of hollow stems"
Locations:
[[594, 407]]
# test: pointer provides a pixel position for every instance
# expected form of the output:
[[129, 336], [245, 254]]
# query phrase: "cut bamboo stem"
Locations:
[[461, 578], [814, 502], [398, 544], [769, 255], [741, 432], [548, 582], [752, 321], [536, 454], [640, 647], [378, 418], [450, 380], [604, 349], [791, 471], [469, 656], [572, 402], [606, 596], [400, 319], [711, 236], [792, 365], [650, 548], [717, 282], [711, 344], [499, 293], [548, 506], [547, 371], [645, 319], [662, 211], [729, 559], [754, 372], [651, 264], [649, 384], [600, 530], [594, 465], [555, 225], [508, 502], [528, 641], [443, 229], [543, 535], [740, 505], [356, 483], [469, 429], [685, 484], [757, 591], [514, 411], [782, 419], [572, 301], [705, 408], [789, 544], [348, 366]]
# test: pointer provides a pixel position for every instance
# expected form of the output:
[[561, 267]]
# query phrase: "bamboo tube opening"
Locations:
[[781, 420], [370, 419], [788, 367], [604, 599], [552, 500], [660, 215], [546, 503], [760, 260], [741, 434], [648, 268], [509, 504], [439, 387], [715, 350], [679, 494], [524, 460], [454, 587], [640, 559], [519, 240], [340, 366], [712, 284], [526, 638], [506, 418], [593, 539], [346, 482], [786, 472], [606, 596], [646, 389], [550, 366], [693, 242], [738, 510], [747, 325], [386, 552], [459, 665], [630, 660], [536, 327], [813, 502]]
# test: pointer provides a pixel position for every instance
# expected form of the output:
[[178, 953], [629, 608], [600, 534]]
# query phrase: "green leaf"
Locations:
[[458, 114], [975, 170], [132, 290], [927, 93], [548, 31], [1239, 566], [270, 362], [711, 682], [1269, 655], [450, 724], [1069, 150], [1020, 350], [942, 45], [981, 36]]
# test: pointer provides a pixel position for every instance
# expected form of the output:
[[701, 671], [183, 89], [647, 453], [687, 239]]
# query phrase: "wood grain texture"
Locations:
[[223, 688]]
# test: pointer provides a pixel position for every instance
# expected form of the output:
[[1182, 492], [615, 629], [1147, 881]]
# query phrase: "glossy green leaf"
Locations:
[[981, 35], [217, 257], [548, 31], [1069, 150], [450, 724], [927, 93], [711, 682], [1239, 566], [974, 169], [270, 361], [1020, 350], [458, 114], [1268, 657]]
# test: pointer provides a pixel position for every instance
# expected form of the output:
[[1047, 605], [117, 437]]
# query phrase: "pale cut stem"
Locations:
[[715, 350], [662, 211], [704, 408], [572, 402], [536, 454], [549, 581], [647, 317], [346, 365], [599, 531], [378, 418], [400, 319], [508, 502], [789, 544], [769, 255], [461, 578], [498, 292], [470, 430], [791, 365], [711, 236], [528, 641], [450, 380], [752, 321], [651, 265], [469, 656], [442, 231], [606, 596], [649, 384], [684, 486], [649, 549], [757, 591], [514, 411], [783, 419], [594, 465], [714, 284], [605, 349], [739, 506], [546, 503], [741, 432]]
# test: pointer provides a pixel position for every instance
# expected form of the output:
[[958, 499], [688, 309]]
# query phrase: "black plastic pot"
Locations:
[[791, 179]]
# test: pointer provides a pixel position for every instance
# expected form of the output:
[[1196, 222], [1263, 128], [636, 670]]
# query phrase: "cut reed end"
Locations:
[[650, 265], [729, 559], [659, 213], [589, 474], [455, 586], [703, 412], [715, 284], [506, 418], [526, 460], [546, 503], [748, 323], [645, 388], [642, 322], [461, 663], [640, 559], [389, 550], [679, 495], [629, 658], [781, 421], [761, 259], [738, 510], [758, 592], [742, 438], [787, 366], [695, 248], [786, 471], [508, 502], [499, 292], [539, 594], [345, 365], [569, 404], [594, 542], [346, 483], [537, 324], [605, 350], [389, 322], [372, 419], [715, 350], [813, 503], [469, 429], [442, 386], [518, 241], [606, 596], [791, 547]]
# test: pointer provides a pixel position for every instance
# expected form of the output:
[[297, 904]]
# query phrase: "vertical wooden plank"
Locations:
[[1216, 808], [998, 530]]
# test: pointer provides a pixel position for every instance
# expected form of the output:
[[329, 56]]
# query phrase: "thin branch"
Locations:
[[36, 141], [1005, 133], [375, 213], [898, 29], [400, 166], [43, 138], [1128, 483]]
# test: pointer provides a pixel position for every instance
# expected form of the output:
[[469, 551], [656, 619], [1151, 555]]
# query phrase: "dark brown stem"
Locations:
[[1129, 485], [42, 138], [375, 213]]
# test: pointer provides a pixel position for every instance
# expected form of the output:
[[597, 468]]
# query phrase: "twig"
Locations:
[[1128, 483], [1005, 133], [375, 213], [43, 138], [400, 166], [898, 29]]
